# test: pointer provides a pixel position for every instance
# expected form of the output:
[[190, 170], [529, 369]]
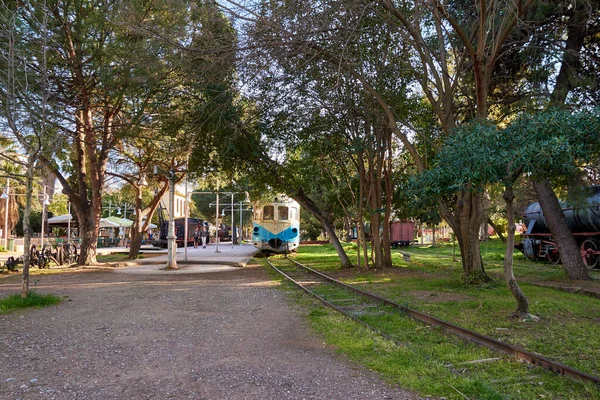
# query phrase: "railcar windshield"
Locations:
[[268, 213], [283, 213]]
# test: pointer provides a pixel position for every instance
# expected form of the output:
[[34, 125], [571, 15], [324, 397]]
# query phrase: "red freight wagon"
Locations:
[[402, 233]]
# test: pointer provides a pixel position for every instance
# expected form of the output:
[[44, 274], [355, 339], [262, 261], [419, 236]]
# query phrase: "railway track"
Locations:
[[361, 306]]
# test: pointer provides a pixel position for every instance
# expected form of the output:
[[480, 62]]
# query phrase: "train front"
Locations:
[[276, 227]]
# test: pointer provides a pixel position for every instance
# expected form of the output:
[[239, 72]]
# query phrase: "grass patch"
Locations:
[[434, 364], [33, 299], [116, 257]]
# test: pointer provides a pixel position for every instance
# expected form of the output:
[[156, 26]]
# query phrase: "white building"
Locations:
[[178, 203]]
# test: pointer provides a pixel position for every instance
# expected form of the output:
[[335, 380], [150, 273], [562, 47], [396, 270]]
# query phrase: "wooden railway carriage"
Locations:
[[276, 226]]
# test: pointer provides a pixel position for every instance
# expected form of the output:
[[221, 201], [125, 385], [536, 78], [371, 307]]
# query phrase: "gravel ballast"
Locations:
[[223, 335]]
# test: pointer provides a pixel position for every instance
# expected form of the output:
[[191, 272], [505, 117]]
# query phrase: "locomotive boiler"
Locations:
[[583, 219]]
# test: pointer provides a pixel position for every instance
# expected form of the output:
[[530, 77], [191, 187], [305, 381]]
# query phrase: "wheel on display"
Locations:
[[70, 253], [46, 255], [42, 261], [590, 254], [553, 256]]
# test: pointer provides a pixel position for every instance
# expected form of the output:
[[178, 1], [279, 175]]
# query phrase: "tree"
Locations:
[[549, 145], [25, 103], [478, 155], [104, 74], [319, 85]]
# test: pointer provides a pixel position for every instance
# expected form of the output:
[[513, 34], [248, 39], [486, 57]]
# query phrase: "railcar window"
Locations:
[[268, 212], [293, 213], [283, 213]]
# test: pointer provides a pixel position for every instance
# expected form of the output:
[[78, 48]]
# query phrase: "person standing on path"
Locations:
[[204, 235], [196, 236]]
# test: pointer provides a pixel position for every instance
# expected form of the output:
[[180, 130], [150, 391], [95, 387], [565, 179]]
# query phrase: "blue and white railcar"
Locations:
[[276, 227]]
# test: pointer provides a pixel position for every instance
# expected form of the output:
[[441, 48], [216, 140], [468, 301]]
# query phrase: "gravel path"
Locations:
[[224, 335]]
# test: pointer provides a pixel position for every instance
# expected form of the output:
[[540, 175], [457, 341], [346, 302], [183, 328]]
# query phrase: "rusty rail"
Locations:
[[482, 340]]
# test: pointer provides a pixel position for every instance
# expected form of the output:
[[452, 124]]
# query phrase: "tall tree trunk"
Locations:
[[347, 227], [139, 227], [465, 222], [27, 226], [387, 251], [136, 228], [497, 230], [88, 233], [376, 239], [557, 223], [577, 30], [522, 302], [311, 207], [365, 247], [360, 237]]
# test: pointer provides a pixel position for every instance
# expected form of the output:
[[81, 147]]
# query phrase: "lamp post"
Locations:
[[186, 211], [217, 219], [171, 238], [5, 195], [69, 225], [45, 202]]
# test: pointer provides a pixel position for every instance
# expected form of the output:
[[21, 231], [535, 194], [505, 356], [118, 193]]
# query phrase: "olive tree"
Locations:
[[550, 145]]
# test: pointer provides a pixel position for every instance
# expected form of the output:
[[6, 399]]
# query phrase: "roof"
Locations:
[[63, 220]]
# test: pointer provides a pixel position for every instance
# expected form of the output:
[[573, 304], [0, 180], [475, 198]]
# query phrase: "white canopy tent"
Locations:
[[64, 219]]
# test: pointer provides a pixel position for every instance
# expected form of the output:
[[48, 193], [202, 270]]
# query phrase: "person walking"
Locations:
[[204, 236], [197, 234]]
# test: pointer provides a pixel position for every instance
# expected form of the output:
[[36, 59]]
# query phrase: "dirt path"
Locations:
[[225, 335]]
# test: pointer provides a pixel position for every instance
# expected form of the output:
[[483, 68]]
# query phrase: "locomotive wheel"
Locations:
[[70, 253], [589, 252], [553, 256]]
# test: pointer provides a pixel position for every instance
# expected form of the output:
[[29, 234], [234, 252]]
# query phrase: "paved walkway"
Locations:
[[197, 260], [167, 335]]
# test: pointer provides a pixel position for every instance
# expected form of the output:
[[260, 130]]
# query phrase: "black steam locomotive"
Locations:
[[582, 219]]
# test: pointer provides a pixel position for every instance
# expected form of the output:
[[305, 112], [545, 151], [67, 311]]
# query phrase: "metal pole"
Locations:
[[217, 219], [43, 216], [186, 211], [171, 239], [69, 225], [240, 237], [6, 215], [232, 234]]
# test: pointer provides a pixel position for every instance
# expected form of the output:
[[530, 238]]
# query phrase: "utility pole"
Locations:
[[171, 238]]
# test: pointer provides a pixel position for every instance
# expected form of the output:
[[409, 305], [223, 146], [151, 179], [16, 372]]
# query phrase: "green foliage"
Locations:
[[33, 299], [553, 145], [310, 229]]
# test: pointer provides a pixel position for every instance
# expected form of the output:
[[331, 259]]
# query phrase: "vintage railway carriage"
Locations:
[[276, 227], [583, 220], [402, 233]]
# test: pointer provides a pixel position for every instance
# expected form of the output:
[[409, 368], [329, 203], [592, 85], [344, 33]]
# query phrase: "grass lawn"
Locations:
[[435, 364], [33, 299]]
